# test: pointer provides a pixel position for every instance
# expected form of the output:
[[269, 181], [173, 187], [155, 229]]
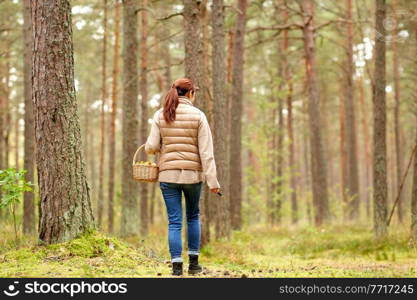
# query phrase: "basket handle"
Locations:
[[136, 153]]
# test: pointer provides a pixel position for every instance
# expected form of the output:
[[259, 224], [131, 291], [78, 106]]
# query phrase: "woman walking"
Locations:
[[181, 133]]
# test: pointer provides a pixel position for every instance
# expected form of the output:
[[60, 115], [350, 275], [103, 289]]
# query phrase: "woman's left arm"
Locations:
[[153, 143]]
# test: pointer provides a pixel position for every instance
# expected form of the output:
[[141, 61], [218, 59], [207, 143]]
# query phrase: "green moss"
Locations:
[[91, 244], [90, 255], [255, 252], [24, 254]]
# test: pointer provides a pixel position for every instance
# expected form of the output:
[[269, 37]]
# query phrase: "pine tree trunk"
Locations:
[[144, 218], [279, 137], [350, 130], [304, 141], [414, 196], [318, 164], [230, 54], [112, 136], [7, 115], [204, 96], [29, 146], [236, 118], [414, 187], [192, 41], [272, 153], [343, 154], [279, 163], [2, 123], [2, 130], [366, 145], [324, 106], [64, 193], [222, 221], [290, 132], [100, 200], [129, 220], [90, 147], [380, 148], [16, 136], [397, 97], [229, 67], [166, 57]]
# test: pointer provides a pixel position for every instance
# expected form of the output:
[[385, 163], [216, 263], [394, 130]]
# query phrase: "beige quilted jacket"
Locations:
[[185, 146]]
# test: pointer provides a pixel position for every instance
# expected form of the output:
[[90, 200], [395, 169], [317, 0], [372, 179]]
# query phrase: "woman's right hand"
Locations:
[[215, 190]]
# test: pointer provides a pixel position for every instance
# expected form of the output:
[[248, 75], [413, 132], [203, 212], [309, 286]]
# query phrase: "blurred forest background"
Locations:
[[312, 104]]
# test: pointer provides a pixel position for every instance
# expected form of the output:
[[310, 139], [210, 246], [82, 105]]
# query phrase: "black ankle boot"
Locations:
[[194, 267], [177, 268]]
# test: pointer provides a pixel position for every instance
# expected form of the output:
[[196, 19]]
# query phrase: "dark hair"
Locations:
[[179, 88]]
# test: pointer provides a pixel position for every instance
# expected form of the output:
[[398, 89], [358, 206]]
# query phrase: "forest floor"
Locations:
[[338, 251]]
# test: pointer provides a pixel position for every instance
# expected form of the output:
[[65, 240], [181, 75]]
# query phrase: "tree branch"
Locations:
[[318, 27], [402, 184], [166, 66], [278, 27], [237, 10], [164, 39], [170, 16]]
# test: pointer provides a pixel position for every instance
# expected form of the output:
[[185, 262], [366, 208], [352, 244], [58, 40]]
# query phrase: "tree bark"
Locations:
[[144, 218], [366, 146], [290, 131], [350, 129], [279, 162], [222, 221], [2, 123], [2, 128], [64, 193], [230, 52], [343, 154], [88, 142], [100, 200], [112, 136], [271, 185], [192, 41], [129, 220], [5, 95], [278, 158], [414, 197], [166, 58], [397, 97], [205, 97], [16, 135], [91, 147], [414, 187], [29, 143], [379, 104], [318, 164], [236, 118]]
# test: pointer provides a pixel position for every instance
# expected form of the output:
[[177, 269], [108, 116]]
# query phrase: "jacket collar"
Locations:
[[185, 100]]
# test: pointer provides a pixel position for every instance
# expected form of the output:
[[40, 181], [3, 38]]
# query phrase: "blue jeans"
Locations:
[[172, 193]]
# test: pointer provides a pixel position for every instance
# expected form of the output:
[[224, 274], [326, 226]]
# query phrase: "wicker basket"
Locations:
[[144, 173]]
